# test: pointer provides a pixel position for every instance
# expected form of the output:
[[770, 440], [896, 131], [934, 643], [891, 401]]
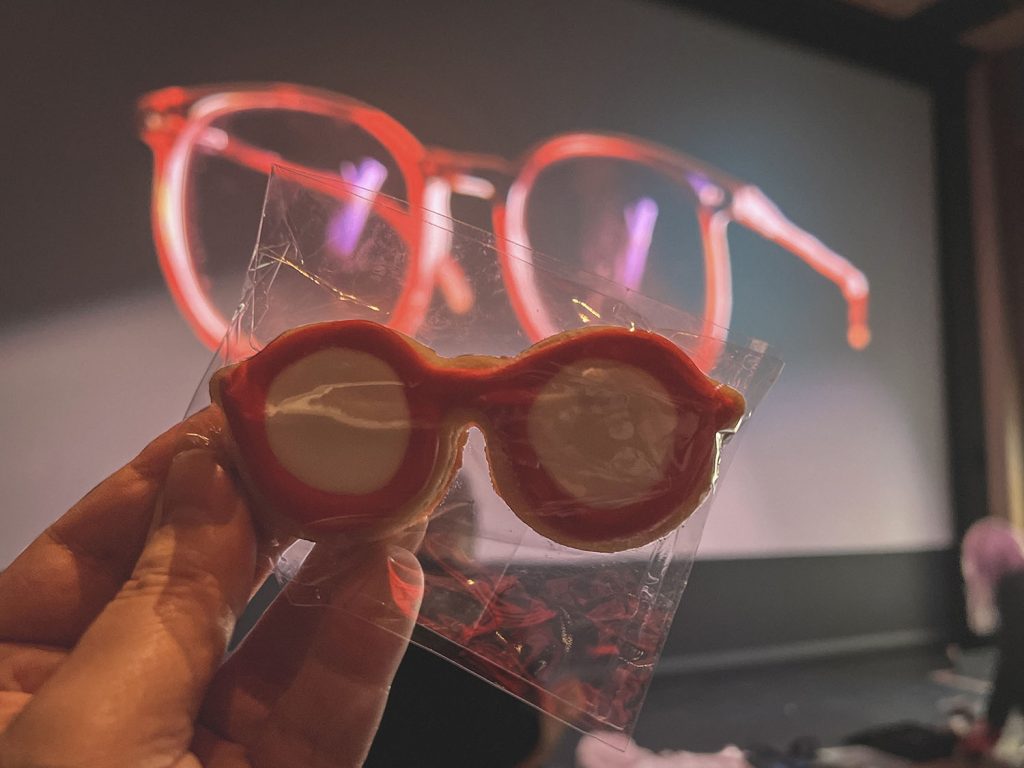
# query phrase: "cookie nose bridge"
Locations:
[[466, 383]]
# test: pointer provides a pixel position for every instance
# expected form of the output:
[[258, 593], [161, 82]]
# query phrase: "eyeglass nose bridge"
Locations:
[[447, 174], [470, 174], [440, 161]]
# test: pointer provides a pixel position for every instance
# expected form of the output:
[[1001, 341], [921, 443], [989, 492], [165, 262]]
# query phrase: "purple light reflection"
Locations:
[[641, 217], [347, 224]]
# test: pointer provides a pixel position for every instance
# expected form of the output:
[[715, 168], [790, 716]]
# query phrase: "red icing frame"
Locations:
[[450, 395]]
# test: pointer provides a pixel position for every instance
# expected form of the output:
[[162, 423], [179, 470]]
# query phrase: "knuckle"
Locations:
[[183, 581]]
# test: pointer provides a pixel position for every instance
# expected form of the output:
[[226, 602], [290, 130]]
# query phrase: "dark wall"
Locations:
[[888, 600]]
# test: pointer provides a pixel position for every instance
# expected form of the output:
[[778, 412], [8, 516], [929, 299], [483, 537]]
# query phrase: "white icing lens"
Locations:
[[603, 430], [339, 421]]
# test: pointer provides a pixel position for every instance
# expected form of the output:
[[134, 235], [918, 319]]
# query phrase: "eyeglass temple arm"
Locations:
[[752, 208]]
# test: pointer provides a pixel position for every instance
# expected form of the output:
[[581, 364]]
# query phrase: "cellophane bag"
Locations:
[[575, 633]]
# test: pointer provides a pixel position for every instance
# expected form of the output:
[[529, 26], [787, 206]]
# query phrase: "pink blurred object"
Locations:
[[980, 740], [991, 548], [615, 750]]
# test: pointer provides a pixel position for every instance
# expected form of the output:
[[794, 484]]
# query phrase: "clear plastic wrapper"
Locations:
[[555, 494]]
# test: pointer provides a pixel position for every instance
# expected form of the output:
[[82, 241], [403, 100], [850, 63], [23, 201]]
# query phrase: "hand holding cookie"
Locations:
[[114, 622]]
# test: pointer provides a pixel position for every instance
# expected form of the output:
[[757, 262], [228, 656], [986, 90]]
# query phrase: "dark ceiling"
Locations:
[[983, 26], [920, 40], [977, 24]]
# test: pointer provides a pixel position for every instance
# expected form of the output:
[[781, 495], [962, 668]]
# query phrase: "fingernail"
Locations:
[[405, 580], [197, 489]]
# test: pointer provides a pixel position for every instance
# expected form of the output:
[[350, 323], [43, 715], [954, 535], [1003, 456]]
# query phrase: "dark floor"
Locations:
[[827, 700]]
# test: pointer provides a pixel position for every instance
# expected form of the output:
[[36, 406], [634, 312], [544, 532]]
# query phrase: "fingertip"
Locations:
[[405, 580], [198, 490], [203, 526]]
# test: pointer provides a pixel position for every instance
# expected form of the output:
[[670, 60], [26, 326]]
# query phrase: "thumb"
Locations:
[[129, 691]]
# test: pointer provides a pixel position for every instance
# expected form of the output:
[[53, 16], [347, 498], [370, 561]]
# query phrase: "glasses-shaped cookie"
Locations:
[[601, 439]]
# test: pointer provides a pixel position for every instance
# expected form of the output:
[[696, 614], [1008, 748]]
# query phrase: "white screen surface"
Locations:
[[847, 454]]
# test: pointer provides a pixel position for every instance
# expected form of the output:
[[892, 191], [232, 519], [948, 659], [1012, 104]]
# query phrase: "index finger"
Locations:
[[308, 685], [62, 581]]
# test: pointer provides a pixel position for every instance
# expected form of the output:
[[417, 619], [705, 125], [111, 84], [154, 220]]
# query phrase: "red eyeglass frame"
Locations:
[[173, 121]]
